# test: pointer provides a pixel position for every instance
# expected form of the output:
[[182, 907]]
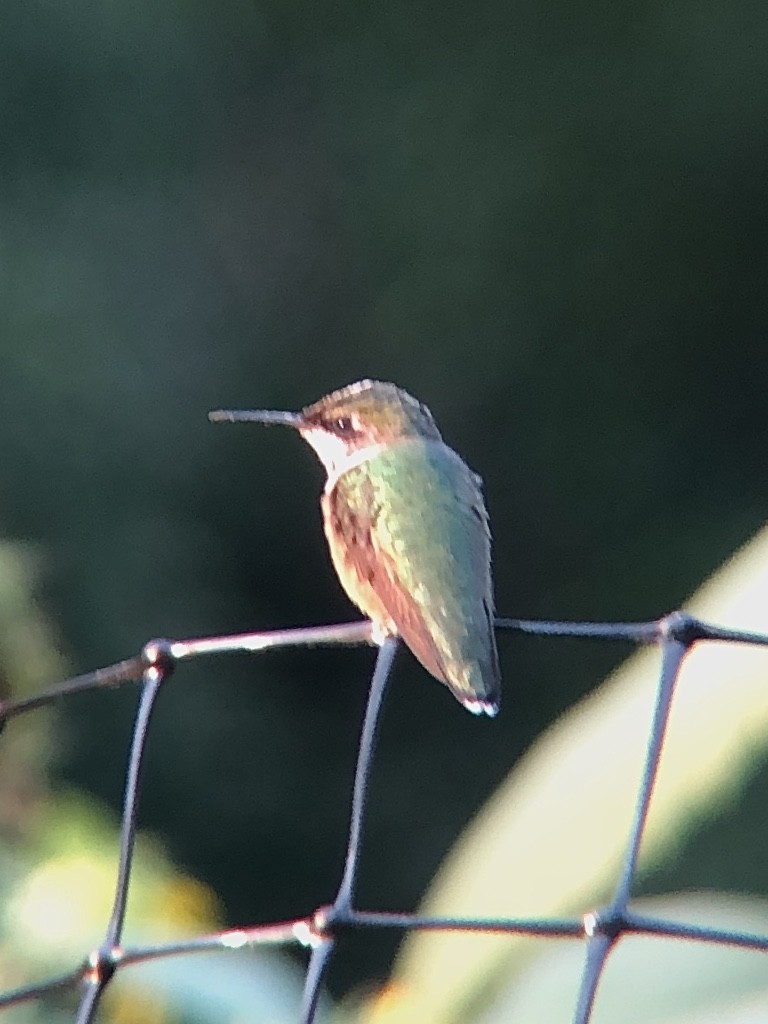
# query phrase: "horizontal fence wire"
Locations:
[[674, 635]]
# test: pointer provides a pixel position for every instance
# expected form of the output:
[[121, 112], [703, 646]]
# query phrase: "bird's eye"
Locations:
[[344, 425]]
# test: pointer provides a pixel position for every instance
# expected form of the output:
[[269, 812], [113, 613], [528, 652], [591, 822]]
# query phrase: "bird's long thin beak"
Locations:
[[268, 416]]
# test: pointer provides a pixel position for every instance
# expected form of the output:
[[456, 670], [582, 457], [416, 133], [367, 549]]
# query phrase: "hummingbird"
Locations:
[[407, 528]]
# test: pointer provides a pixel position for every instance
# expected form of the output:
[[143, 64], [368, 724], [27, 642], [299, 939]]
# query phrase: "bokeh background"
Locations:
[[549, 222]]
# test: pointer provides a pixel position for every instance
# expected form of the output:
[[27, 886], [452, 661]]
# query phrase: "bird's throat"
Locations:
[[336, 456]]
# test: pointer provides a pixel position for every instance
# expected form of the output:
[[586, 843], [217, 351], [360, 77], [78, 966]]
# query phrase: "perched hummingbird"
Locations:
[[408, 530]]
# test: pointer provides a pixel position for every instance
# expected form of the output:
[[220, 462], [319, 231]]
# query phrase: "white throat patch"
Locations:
[[335, 455]]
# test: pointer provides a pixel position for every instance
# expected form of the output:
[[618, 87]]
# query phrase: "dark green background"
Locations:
[[548, 221]]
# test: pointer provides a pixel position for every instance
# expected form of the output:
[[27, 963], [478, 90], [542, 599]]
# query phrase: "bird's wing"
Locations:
[[373, 577], [417, 539]]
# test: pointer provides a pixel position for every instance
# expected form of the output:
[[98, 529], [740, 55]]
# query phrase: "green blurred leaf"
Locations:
[[650, 980], [551, 839]]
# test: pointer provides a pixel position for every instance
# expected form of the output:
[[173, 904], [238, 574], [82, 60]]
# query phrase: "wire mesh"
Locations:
[[599, 929]]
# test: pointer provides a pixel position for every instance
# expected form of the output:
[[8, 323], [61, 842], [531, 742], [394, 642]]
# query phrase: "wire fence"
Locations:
[[599, 929]]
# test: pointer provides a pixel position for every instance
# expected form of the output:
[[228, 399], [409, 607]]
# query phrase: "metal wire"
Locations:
[[600, 929]]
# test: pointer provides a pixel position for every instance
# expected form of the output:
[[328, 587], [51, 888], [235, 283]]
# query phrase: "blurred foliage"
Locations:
[[553, 838], [549, 223], [654, 980], [58, 865], [648, 980]]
